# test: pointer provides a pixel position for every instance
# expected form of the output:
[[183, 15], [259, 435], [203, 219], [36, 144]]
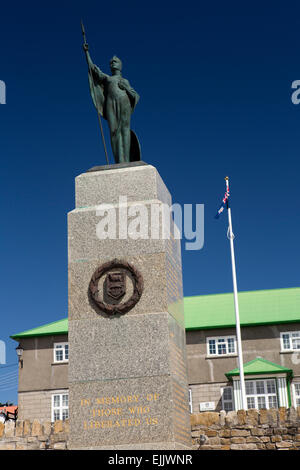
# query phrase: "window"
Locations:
[[60, 406], [220, 346], [261, 394], [61, 352], [290, 341], [227, 399], [296, 394]]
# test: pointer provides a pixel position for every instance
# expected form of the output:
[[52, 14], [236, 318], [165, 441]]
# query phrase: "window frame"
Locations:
[[296, 396], [289, 333], [225, 400], [60, 408], [256, 397], [63, 349], [216, 338]]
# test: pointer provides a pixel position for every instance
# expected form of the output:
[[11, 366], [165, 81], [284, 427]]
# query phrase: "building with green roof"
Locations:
[[270, 329]]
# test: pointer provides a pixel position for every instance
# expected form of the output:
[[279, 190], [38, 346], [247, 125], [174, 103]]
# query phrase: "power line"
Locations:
[[9, 365]]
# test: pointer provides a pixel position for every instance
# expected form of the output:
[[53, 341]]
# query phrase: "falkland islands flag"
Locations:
[[225, 201]]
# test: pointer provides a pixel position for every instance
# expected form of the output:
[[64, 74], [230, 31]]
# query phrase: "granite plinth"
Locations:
[[137, 183], [126, 412], [155, 297], [115, 347], [127, 373], [116, 166]]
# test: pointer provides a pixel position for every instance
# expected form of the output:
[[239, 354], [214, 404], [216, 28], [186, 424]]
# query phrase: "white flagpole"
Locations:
[[236, 306]]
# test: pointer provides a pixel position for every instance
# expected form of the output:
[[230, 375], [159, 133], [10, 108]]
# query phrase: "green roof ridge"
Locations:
[[277, 368], [260, 307], [44, 330], [211, 311], [241, 292]]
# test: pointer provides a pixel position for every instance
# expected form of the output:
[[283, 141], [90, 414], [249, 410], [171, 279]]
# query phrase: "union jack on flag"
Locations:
[[225, 201]]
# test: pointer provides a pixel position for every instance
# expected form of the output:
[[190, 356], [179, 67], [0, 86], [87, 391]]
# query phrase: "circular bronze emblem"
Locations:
[[114, 286]]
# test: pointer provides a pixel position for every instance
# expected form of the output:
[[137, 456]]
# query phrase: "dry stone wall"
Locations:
[[274, 429], [34, 435], [235, 430]]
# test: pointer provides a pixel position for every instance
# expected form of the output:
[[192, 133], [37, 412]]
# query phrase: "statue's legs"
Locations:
[[118, 117]]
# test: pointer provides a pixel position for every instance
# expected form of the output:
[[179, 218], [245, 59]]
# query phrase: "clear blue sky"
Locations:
[[215, 85]]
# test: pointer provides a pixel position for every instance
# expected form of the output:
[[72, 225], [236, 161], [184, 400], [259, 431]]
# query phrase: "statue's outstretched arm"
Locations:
[[97, 73]]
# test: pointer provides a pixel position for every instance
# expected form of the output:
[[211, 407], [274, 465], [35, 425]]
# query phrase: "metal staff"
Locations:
[[230, 235], [92, 84]]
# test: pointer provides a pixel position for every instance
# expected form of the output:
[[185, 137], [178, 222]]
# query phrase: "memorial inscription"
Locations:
[[119, 411]]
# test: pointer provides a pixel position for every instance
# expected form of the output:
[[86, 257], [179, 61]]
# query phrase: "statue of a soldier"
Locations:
[[115, 100]]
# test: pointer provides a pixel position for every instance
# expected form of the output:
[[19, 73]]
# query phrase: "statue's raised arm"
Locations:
[[97, 73]]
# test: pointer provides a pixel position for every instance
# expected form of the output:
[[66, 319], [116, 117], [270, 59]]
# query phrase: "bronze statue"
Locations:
[[115, 100]]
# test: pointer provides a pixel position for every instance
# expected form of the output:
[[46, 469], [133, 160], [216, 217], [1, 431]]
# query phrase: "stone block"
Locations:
[[276, 438], [123, 337], [257, 432], [284, 445], [240, 432], [254, 439], [37, 428], [292, 415], [19, 428], [141, 183], [211, 433], [47, 427], [225, 432], [243, 447], [241, 416], [270, 446], [21, 446], [26, 428], [252, 417], [207, 418], [126, 411], [225, 441], [282, 414], [59, 446], [263, 416], [265, 439], [222, 417], [213, 441], [9, 429], [58, 426], [238, 440], [231, 419], [7, 445], [2, 428]]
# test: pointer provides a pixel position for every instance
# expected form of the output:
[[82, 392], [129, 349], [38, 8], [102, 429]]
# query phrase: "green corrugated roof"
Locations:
[[261, 307], [59, 327], [260, 366], [256, 308]]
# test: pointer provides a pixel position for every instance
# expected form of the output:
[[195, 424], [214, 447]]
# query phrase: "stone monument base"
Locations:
[[127, 372]]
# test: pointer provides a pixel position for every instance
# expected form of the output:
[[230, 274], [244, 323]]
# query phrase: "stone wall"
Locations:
[[235, 430], [35, 435], [275, 429]]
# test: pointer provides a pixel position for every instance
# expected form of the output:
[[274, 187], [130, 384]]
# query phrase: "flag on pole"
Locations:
[[225, 201], [230, 236]]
